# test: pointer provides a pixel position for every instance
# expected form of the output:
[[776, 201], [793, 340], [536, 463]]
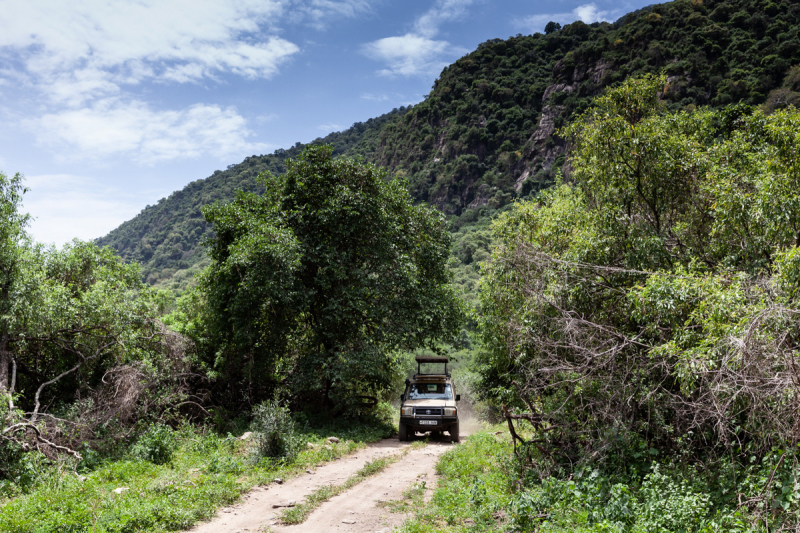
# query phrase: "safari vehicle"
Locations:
[[429, 402]]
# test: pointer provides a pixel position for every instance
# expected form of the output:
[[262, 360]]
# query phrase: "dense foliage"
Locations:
[[484, 134], [485, 131], [653, 302], [12, 239], [484, 487], [317, 282], [83, 356]]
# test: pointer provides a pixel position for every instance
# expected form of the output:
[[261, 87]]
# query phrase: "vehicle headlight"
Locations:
[[407, 411], [449, 411]]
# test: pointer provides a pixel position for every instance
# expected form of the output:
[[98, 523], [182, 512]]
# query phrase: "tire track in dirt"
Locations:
[[357, 511], [358, 505]]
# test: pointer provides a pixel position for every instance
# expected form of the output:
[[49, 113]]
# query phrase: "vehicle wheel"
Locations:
[[454, 437], [403, 432]]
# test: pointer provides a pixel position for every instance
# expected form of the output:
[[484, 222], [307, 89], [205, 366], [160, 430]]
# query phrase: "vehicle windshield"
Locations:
[[430, 391]]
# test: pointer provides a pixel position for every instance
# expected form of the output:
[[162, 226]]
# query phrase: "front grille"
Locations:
[[428, 411]]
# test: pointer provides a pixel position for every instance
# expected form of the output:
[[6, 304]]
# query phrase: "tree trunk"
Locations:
[[5, 356], [5, 363]]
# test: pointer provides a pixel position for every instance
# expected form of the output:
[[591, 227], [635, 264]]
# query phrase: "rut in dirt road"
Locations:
[[355, 510]]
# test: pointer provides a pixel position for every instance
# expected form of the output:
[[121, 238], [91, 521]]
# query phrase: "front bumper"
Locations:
[[429, 423]]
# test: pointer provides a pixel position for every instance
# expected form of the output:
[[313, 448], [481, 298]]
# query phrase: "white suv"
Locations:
[[429, 402]]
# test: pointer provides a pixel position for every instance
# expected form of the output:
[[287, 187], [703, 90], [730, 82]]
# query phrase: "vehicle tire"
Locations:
[[403, 432], [454, 436]]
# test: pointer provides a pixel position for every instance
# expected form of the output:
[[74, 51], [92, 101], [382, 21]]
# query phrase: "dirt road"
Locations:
[[355, 510]]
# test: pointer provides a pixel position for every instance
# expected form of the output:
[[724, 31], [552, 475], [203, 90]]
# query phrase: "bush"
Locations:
[[384, 413], [157, 445], [670, 505], [275, 432], [19, 471]]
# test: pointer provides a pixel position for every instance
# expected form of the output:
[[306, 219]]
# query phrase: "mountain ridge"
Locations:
[[486, 133]]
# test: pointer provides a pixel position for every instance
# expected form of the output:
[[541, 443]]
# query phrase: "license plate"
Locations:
[[428, 422]]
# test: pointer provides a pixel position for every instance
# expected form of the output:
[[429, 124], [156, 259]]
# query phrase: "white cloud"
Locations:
[[329, 127], [77, 62], [266, 118], [319, 13], [83, 49], [86, 48], [410, 54], [65, 207], [443, 11], [587, 13], [418, 52], [375, 97], [111, 127]]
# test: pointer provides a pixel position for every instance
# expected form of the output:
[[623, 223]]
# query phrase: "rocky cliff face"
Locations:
[[541, 155]]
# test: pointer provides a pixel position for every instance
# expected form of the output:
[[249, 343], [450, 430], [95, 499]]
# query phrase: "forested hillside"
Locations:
[[166, 238], [643, 318], [486, 132]]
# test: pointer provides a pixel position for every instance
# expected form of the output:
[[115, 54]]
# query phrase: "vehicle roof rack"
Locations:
[[431, 359]]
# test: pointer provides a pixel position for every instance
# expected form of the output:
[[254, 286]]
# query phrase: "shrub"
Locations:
[[384, 413], [669, 505], [157, 445], [19, 471], [275, 432]]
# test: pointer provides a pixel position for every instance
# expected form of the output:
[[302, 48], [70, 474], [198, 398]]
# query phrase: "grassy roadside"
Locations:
[[472, 491], [206, 473], [299, 514], [481, 489]]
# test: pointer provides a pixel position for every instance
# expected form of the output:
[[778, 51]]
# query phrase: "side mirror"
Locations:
[[402, 397], [458, 397]]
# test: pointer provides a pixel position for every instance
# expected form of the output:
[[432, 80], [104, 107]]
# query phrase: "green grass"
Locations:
[[473, 488], [412, 499], [480, 490], [299, 514], [206, 473]]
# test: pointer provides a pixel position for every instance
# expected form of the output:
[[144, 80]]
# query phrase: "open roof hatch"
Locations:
[[431, 359]]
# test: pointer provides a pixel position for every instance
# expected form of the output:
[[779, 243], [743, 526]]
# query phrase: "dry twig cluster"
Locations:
[[128, 393]]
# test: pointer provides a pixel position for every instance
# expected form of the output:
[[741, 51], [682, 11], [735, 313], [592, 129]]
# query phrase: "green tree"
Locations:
[[66, 317], [320, 280], [75, 314], [551, 27], [654, 298], [12, 238]]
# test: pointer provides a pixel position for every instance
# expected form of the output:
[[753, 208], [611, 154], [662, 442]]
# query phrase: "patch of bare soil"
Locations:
[[353, 511]]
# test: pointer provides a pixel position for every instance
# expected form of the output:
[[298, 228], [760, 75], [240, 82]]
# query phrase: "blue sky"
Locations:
[[107, 106]]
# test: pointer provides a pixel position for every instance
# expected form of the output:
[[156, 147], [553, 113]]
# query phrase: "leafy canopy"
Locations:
[[653, 293], [71, 322], [318, 281], [12, 236]]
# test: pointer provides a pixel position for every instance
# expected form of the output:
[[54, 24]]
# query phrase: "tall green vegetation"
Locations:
[[316, 284], [652, 303], [80, 342], [485, 131], [12, 237]]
